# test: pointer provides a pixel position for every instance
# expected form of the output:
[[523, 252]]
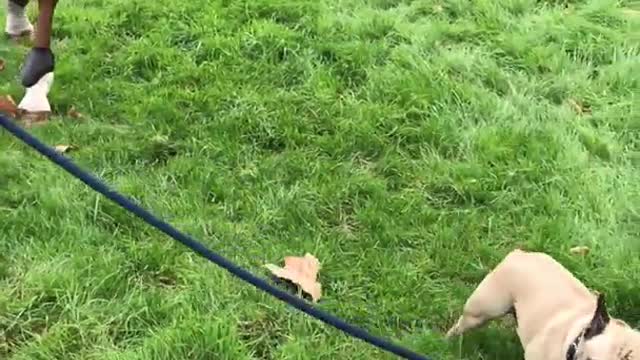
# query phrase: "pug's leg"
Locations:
[[490, 300]]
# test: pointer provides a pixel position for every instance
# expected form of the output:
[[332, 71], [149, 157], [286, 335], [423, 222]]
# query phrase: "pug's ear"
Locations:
[[600, 319]]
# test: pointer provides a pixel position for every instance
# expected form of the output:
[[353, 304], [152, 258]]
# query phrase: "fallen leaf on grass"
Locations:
[[8, 106], [2, 64], [33, 118], [302, 271], [73, 113], [579, 250], [63, 149], [579, 107]]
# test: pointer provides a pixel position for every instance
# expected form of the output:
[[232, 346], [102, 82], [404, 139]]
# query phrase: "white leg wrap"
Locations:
[[35, 99], [18, 23]]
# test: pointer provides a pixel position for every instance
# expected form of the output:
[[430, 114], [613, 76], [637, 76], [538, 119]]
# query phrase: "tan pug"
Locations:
[[557, 317]]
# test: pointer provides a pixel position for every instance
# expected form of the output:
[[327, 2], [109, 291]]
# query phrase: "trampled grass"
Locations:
[[409, 145]]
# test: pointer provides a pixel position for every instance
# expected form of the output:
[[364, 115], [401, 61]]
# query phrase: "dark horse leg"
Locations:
[[40, 60], [37, 70]]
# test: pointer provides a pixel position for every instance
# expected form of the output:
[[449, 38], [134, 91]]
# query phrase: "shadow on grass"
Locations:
[[489, 343]]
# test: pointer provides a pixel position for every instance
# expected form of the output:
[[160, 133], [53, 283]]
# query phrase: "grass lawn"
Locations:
[[408, 144]]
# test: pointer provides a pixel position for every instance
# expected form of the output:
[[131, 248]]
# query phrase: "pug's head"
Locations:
[[607, 338]]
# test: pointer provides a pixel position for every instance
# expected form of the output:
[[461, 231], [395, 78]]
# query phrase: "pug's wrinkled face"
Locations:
[[609, 339], [612, 344]]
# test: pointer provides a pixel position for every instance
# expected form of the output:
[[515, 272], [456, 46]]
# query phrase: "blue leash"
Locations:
[[300, 304]]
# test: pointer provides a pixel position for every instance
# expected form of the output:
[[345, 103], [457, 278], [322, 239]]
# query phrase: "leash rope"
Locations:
[[298, 303]]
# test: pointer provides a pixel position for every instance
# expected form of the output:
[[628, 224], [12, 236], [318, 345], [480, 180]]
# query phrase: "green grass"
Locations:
[[408, 144]]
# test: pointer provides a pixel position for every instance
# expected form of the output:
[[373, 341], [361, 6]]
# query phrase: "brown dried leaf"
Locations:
[[33, 118], [8, 106], [579, 107], [579, 250], [73, 113], [2, 64], [302, 271], [62, 149]]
